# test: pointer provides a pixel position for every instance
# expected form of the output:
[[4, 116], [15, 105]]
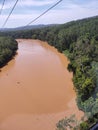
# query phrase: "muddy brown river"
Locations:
[[36, 89]]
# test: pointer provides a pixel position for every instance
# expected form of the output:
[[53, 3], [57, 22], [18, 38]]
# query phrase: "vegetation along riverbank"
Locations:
[[8, 47], [79, 39]]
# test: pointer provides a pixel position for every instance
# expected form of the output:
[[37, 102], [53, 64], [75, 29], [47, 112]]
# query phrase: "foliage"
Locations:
[[68, 123], [79, 39], [72, 123], [8, 47], [84, 126]]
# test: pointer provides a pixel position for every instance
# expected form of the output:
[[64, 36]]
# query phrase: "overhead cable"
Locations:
[[44, 12], [2, 6], [10, 13]]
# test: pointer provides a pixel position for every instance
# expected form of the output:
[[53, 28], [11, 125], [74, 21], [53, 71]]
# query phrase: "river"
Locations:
[[36, 89]]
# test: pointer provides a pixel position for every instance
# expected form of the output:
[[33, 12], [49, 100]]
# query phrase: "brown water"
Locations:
[[36, 88]]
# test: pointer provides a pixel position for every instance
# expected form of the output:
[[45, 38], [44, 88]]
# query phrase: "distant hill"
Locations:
[[79, 41], [27, 27]]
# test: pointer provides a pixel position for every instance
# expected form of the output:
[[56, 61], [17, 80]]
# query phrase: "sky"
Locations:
[[27, 10]]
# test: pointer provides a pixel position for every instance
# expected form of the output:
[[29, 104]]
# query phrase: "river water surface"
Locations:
[[36, 89]]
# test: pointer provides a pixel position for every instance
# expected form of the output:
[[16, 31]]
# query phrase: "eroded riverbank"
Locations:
[[36, 89]]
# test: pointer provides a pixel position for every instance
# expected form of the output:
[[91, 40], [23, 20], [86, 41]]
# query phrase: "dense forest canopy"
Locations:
[[8, 47], [79, 41]]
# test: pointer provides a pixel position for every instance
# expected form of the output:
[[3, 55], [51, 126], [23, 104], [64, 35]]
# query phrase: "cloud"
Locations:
[[35, 2], [72, 4], [92, 4], [66, 11], [29, 3], [6, 6]]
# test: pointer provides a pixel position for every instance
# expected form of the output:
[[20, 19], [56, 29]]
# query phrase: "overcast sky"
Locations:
[[27, 10]]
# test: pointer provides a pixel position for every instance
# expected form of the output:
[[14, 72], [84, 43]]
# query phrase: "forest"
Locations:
[[79, 41], [8, 47]]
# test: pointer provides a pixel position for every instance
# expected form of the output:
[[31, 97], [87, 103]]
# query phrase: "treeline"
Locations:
[[8, 47], [79, 40], [60, 36]]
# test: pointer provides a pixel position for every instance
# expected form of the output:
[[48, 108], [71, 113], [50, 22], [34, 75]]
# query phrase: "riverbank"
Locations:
[[39, 76], [8, 48]]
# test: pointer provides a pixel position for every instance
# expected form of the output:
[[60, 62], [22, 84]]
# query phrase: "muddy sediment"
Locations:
[[36, 89]]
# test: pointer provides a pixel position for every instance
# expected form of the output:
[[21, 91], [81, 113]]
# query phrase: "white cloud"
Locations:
[[6, 6], [92, 4], [17, 19], [35, 2], [24, 3], [64, 12]]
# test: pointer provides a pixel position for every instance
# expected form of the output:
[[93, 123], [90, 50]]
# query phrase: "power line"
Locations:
[[44, 12], [10, 13], [2, 6]]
